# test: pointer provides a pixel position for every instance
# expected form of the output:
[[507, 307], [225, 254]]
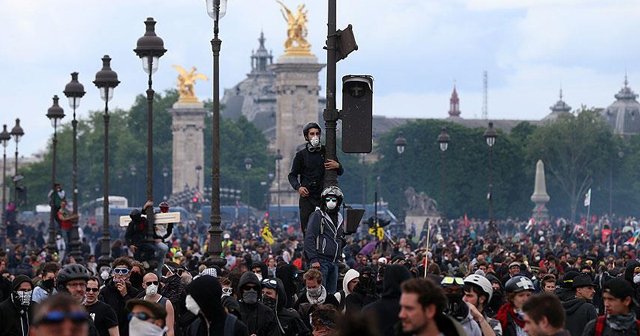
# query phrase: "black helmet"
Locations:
[[333, 191], [135, 213], [69, 273], [519, 284], [307, 127]]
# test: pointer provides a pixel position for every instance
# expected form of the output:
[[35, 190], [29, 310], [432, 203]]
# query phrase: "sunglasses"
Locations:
[[149, 283], [57, 317], [123, 271], [141, 316], [331, 199], [269, 283], [95, 290]]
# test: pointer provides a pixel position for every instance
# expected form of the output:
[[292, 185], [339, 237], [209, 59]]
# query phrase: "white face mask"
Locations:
[[259, 276], [315, 141], [332, 204], [104, 275], [636, 278], [152, 290], [25, 297], [137, 327], [192, 305]]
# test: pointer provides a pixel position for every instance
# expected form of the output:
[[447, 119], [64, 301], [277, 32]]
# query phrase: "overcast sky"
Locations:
[[415, 49]]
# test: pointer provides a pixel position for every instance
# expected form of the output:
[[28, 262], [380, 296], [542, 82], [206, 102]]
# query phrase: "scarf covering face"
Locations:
[[320, 299], [504, 312], [621, 322]]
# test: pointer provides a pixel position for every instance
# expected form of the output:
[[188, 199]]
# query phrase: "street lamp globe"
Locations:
[[248, 163], [150, 47], [443, 139], [211, 8], [16, 131], [5, 136], [490, 135], [106, 79], [401, 143], [74, 91], [55, 112]]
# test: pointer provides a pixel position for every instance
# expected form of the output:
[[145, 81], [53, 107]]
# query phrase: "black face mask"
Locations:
[[136, 279], [47, 284], [269, 302]]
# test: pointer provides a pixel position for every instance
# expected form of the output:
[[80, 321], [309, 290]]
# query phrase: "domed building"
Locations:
[[624, 114], [558, 109]]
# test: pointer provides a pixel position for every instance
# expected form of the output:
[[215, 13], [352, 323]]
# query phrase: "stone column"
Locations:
[[297, 92], [188, 145], [540, 196]]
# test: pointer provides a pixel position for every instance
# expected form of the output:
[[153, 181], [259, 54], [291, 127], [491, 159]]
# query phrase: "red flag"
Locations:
[[466, 221]]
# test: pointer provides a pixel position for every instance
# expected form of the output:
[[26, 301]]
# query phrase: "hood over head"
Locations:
[[394, 276], [207, 292], [247, 278], [628, 272], [350, 275]]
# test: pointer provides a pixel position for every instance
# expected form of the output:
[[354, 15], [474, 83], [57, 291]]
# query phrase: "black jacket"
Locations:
[[288, 319], [324, 239], [111, 296], [309, 166], [590, 330], [260, 319], [579, 313], [386, 309], [11, 318]]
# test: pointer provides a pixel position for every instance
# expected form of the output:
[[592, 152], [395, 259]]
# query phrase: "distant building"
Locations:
[[624, 114]]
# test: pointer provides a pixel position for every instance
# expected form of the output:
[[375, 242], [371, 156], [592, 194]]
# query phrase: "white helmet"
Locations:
[[332, 190], [482, 282]]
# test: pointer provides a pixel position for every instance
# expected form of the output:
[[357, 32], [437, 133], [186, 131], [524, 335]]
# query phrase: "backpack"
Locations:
[[601, 321]]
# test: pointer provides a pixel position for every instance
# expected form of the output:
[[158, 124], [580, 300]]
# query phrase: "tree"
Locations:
[[575, 149]]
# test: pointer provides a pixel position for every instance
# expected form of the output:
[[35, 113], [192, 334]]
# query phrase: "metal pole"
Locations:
[[331, 113], [214, 248], [490, 186], [76, 246], [278, 190], [441, 201], [51, 241], [105, 241], [149, 211], [15, 182], [3, 226]]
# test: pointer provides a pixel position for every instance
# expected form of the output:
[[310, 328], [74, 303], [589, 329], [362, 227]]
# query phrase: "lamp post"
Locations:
[[198, 170], [216, 10], [106, 81], [165, 174], [248, 163], [74, 92], [4, 139], [401, 145], [150, 48], [16, 132], [278, 159], [443, 141], [490, 136], [55, 113], [133, 170]]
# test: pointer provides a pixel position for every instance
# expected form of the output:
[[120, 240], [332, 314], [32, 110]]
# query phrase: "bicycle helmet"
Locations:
[[307, 127], [70, 273], [519, 284], [482, 282]]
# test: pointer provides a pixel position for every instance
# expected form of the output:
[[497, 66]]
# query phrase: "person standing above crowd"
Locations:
[[307, 172]]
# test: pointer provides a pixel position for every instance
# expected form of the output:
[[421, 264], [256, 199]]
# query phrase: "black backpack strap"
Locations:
[[230, 325]]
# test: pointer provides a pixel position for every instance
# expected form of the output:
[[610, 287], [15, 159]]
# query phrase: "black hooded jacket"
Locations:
[[11, 316], [207, 293], [579, 313], [385, 310], [628, 275], [260, 319], [288, 319], [111, 296]]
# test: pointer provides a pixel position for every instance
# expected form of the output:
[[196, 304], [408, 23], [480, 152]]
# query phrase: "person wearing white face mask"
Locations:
[[16, 311], [146, 318], [307, 172], [324, 239], [150, 284]]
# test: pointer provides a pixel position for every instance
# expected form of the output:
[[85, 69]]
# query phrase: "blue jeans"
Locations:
[[161, 253], [329, 272]]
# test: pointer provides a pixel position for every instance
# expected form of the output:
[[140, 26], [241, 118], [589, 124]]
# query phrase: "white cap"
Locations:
[[382, 260]]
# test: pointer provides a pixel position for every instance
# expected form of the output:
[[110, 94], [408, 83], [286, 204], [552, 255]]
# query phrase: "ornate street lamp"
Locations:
[[278, 159], [216, 10], [150, 48], [106, 81], [248, 163], [443, 141], [74, 92], [55, 113], [401, 143], [165, 174], [4, 139], [490, 136], [16, 132]]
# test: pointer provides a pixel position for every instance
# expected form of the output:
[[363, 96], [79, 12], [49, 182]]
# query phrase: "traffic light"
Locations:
[[357, 113]]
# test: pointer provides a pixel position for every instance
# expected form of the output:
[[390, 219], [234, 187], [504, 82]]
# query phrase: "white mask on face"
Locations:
[[192, 305], [259, 275], [104, 275], [138, 327], [152, 290], [636, 278], [25, 297], [332, 204], [315, 141]]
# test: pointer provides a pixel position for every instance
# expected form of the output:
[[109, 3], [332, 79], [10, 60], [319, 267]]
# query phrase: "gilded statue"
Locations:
[[186, 83], [296, 43]]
